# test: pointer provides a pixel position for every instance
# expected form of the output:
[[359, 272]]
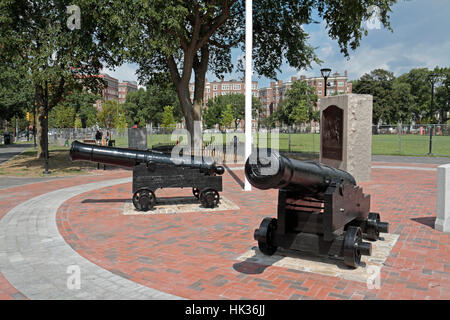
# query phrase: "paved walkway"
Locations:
[[34, 257], [46, 227], [10, 150], [407, 159]]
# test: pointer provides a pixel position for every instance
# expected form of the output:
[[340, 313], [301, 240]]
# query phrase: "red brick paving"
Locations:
[[193, 254], [11, 197]]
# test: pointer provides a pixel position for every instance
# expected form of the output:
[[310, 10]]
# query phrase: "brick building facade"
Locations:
[[219, 88], [272, 96], [126, 87]]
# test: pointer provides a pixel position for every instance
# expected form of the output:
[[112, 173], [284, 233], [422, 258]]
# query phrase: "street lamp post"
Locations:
[[325, 74], [433, 78]]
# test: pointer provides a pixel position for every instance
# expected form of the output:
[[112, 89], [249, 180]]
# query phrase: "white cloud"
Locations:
[[126, 71]]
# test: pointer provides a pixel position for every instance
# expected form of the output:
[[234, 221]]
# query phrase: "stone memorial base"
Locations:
[[346, 133], [166, 205], [305, 262], [443, 199]]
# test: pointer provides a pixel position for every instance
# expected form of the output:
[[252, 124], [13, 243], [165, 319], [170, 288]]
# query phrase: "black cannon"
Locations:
[[153, 170], [321, 210]]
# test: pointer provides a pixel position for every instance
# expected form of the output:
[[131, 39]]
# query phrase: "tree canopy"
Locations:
[[186, 38], [147, 106], [407, 97], [216, 106], [37, 36], [298, 106]]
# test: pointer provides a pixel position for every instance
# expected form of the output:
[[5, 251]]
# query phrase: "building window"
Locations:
[[341, 83], [215, 87], [237, 87], [207, 89], [320, 91]]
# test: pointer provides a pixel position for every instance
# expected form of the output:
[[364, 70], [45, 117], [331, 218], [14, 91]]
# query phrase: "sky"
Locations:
[[420, 40]]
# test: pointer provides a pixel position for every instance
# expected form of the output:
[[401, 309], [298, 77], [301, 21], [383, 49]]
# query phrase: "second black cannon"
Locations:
[[153, 170]]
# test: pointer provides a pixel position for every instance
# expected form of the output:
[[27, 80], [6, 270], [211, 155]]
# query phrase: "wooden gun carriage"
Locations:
[[321, 210], [153, 170]]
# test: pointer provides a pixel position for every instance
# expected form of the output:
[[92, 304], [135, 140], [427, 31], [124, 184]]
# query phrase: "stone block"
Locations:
[[443, 198], [346, 133]]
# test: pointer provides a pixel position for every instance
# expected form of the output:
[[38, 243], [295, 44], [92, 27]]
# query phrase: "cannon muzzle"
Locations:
[[129, 158], [275, 171]]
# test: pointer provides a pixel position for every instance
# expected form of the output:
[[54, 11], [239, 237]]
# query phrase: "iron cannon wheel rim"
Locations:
[[209, 198], [352, 253], [372, 231], [140, 195], [264, 235]]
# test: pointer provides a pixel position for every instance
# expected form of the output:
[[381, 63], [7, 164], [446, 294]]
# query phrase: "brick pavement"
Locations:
[[193, 255]]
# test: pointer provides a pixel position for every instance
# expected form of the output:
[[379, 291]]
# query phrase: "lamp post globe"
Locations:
[[325, 74]]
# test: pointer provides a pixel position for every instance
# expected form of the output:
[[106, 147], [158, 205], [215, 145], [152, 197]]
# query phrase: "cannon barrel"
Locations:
[[276, 171], [129, 158]]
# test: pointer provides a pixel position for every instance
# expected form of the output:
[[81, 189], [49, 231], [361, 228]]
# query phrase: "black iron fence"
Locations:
[[412, 140]]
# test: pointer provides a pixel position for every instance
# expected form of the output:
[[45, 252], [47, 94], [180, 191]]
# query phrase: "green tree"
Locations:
[[16, 91], [77, 124], [227, 117], [36, 35], [120, 122], [168, 120], [147, 106], [442, 95], [379, 84], [401, 102], [215, 107], [61, 116], [420, 86], [299, 105], [184, 38], [109, 114], [83, 103]]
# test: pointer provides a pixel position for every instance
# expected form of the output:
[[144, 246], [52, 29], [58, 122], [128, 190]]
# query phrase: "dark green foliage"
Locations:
[[217, 105], [187, 38], [298, 106], [147, 106]]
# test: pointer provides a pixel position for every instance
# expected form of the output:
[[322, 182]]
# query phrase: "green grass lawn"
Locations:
[[382, 144]]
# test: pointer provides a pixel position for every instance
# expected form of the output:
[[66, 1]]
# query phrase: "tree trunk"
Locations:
[[192, 110], [41, 123]]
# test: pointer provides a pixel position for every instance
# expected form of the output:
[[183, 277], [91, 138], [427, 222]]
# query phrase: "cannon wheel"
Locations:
[[209, 198], [144, 199], [196, 192], [372, 231], [264, 236], [352, 240]]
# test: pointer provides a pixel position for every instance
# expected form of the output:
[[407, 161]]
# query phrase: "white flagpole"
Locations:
[[248, 83]]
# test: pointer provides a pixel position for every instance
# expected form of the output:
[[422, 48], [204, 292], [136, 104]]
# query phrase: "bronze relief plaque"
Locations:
[[332, 138]]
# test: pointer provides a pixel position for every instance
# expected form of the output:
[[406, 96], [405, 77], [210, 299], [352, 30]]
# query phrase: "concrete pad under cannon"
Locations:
[[169, 205], [295, 260]]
